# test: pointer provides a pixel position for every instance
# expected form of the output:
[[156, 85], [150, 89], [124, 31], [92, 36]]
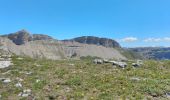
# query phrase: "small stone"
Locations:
[[98, 61], [28, 73], [19, 58], [68, 89], [135, 79], [18, 85], [37, 65], [5, 80], [27, 91], [19, 79], [25, 95], [71, 64], [168, 95]]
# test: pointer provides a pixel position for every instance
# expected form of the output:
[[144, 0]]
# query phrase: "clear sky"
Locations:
[[133, 23]]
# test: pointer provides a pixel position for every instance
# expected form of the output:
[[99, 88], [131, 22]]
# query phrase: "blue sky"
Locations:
[[133, 23]]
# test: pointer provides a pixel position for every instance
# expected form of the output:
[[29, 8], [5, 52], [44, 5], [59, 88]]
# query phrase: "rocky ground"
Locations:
[[29, 79]]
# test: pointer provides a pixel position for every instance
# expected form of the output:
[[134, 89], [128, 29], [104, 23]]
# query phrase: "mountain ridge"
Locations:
[[23, 36], [106, 42], [158, 53], [43, 46]]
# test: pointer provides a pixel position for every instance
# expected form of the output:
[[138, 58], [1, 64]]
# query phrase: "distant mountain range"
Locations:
[[159, 53], [44, 46]]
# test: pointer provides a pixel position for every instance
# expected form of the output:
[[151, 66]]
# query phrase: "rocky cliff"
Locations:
[[96, 40]]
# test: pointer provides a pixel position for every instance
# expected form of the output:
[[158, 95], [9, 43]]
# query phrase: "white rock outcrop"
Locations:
[[5, 64]]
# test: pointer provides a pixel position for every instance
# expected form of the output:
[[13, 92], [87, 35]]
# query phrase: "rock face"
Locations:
[[96, 40], [42, 46]]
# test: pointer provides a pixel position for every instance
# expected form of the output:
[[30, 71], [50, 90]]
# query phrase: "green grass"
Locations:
[[81, 79]]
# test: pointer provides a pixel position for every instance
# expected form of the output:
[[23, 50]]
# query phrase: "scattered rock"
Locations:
[[168, 95], [67, 89], [71, 64], [18, 85], [5, 64], [28, 73], [106, 61], [37, 65], [120, 64], [5, 80], [25, 93], [19, 58], [135, 79], [138, 63], [19, 79], [98, 61]]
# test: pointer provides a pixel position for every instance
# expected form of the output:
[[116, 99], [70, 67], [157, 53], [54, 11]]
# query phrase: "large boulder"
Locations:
[[120, 64], [98, 61]]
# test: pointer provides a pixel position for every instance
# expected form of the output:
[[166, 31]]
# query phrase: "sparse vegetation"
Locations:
[[81, 79]]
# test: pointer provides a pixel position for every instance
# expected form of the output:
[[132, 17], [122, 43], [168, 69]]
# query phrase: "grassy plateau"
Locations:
[[83, 80]]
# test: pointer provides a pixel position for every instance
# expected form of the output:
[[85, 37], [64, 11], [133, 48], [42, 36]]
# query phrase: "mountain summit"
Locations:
[[23, 36]]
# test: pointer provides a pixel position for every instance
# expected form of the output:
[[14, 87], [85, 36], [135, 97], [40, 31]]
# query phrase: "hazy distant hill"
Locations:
[[153, 52]]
